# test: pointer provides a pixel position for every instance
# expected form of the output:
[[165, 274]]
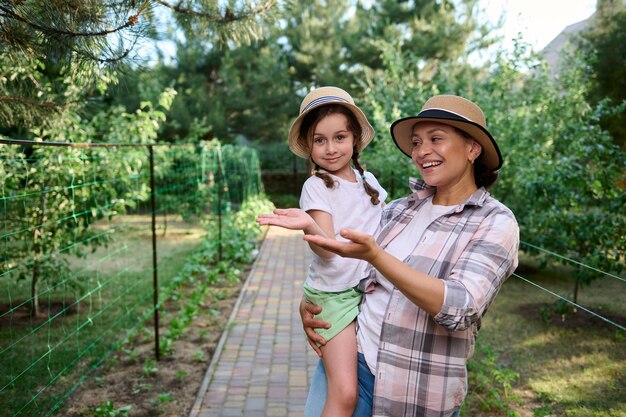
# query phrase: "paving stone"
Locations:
[[263, 363]]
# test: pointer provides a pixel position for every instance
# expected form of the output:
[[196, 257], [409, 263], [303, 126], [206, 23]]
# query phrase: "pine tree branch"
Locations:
[[228, 17], [10, 14]]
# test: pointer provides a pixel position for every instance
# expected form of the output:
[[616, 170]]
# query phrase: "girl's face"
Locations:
[[443, 156], [333, 145]]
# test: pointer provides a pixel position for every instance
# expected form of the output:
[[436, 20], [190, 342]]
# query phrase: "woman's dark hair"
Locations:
[[483, 176], [307, 131]]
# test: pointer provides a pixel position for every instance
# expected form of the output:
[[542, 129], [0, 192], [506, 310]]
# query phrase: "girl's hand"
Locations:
[[362, 245], [309, 323], [291, 218]]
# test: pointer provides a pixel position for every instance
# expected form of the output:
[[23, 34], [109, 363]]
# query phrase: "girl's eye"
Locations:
[[340, 137], [318, 141]]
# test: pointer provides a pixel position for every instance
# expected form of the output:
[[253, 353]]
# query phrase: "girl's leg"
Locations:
[[319, 386], [340, 362]]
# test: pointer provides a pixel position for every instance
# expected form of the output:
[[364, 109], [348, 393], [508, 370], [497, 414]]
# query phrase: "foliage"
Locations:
[[107, 409], [219, 258], [55, 56], [490, 384], [428, 31], [276, 157], [561, 168], [605, 43], [53, 194]]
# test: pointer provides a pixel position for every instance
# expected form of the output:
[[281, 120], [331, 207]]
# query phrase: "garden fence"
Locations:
[[79, 269]]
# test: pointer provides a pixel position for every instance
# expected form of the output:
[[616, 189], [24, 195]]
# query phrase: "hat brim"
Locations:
[[299, 146], [402, 131]]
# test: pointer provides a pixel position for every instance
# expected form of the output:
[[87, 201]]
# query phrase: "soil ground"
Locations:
[[131, 376], [165, 388]]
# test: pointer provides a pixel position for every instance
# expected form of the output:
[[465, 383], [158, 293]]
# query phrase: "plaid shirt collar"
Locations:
[[421, 191]]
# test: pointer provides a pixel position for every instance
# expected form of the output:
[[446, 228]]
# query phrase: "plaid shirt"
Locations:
[[422, 359]]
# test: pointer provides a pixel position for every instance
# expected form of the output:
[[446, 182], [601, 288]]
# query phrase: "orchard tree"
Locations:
[[52, 195], [561, 171]]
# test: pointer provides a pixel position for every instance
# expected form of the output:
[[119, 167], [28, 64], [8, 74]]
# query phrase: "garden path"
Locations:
[[262, 365]]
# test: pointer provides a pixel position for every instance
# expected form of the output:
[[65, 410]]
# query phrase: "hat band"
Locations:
[[322, 100], [443, 113]]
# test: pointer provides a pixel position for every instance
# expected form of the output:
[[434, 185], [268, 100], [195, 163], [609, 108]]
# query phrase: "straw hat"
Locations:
[[454, 111], [319, 97]]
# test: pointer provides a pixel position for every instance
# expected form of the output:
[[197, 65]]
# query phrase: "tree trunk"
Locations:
[[34, 304], [38, 249]]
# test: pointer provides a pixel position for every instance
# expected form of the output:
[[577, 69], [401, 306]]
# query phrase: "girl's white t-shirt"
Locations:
[[374, 305], [351, 208]]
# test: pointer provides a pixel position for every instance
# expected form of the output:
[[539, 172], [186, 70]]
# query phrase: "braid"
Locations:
[[371, 191], [328, 181]]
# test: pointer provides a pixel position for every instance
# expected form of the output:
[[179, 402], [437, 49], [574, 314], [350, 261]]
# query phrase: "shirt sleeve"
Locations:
[[487, 261], [315, 196]]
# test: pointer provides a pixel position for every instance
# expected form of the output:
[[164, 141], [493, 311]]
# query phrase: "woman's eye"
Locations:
[[340, 137]]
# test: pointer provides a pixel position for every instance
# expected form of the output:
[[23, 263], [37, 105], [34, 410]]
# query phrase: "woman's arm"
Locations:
[[309, 323], [423, 290], [489, 258]]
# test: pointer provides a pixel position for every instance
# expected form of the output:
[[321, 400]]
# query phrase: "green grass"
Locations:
[[572, 365], [47, 356]]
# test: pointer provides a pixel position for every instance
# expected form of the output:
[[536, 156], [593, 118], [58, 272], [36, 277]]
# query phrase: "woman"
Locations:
[[440, 258]]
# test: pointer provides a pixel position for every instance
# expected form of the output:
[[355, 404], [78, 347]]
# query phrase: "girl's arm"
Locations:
[[313, 222]]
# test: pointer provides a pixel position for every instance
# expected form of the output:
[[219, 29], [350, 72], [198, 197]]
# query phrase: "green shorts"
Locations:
[[338, 308]]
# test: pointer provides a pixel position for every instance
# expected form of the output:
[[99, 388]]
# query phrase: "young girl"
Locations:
[[331, 131]]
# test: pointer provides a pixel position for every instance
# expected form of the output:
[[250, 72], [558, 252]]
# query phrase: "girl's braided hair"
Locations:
[[307, 131]]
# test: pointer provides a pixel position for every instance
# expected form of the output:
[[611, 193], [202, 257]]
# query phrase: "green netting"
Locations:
[[76, 251]]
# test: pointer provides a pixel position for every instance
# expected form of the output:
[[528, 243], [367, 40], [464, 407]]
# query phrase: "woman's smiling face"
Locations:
[[442, 155]]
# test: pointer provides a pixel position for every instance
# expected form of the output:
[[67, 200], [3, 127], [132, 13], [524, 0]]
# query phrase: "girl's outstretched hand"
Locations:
[[291, 218], [361, 245]]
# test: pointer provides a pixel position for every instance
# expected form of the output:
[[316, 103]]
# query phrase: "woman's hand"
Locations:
[[362, 245], [309, 323], [291, 218]]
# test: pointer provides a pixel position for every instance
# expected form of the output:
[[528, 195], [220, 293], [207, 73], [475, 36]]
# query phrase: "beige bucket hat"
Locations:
[[320, 97], [454, 111]]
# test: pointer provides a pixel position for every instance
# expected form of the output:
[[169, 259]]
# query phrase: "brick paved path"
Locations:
[[262, 365]]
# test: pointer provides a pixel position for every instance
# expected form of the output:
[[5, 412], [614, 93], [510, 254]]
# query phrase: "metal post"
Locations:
[[220, 186], [155, 280]]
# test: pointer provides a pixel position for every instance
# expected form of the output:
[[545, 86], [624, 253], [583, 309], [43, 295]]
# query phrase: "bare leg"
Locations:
[[340, 361]]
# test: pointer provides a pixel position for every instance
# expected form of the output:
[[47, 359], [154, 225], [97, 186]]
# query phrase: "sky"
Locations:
[[539, 21]]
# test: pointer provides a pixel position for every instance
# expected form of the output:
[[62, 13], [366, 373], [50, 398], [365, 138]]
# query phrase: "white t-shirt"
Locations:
[[374, 305], [351, 208]]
